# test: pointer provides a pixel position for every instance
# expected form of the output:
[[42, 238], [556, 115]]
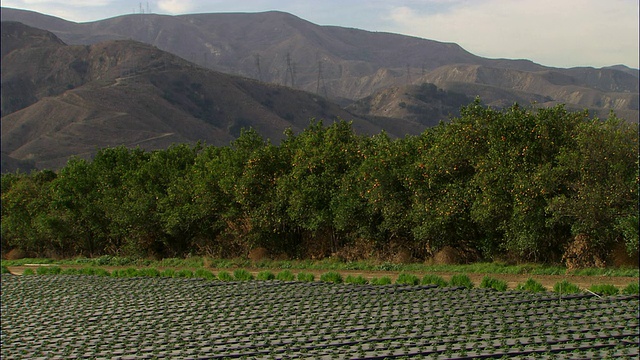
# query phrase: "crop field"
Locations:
[[91, 317]]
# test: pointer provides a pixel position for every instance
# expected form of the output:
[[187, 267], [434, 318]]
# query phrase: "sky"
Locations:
[[558, 33]]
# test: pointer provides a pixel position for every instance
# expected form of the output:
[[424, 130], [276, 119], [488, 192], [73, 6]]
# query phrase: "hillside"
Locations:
[[59, 101], [347, 64]]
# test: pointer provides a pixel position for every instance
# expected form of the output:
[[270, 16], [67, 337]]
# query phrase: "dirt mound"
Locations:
[[580, 253]]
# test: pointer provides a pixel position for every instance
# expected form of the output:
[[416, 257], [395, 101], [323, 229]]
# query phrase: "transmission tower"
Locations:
[[290, 72], [258, 67], [321, 81]]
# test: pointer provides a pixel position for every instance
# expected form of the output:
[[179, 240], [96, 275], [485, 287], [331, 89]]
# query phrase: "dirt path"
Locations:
[[548, 281]]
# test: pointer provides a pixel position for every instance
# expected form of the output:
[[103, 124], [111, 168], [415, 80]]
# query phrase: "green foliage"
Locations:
[[94, 271], [431, 279], [305, 277], [385, 280], [331, 276], [28, 272], [48, 270], [125, 273], [531, 286], [183, 273], [204, 274], [167, 273], [358, 280], [149, 272], [493, 283], [604, 289], [285, 275], [461, 280], [225, 276], [407, 279], [631, 289], [242, 275], [565, 287], [265, 275], [4, 270]]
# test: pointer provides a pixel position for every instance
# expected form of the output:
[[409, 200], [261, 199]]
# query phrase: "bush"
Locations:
[[285, 275], [531, 286], [331, 276], [125, 273], [461, 280], [604, 289], [4, 270], [493, 283], [184, 273], [168, 273], [385, 280], [48, 270], [70, 271], [306, 277], [565, 287], [242, 275], [631, 289], [358, 280], [431, 279], [28, 272], [204, 274], [225, 276], [149, 272], [407, 279], [94, 271], [266, 275]]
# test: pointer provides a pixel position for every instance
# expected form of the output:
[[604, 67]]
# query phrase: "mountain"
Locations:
[[60, 100], [347, 64]]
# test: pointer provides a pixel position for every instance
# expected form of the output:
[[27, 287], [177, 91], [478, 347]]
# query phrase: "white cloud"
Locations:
[[175, 6], [558, 33]]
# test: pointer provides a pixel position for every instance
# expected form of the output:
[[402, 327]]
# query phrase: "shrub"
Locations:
[[168, 273], [266, 275], [565, 287], [149, 272], [94, 271], [125, 273], [184, 273], [604, 289], [461, 280], [70, 271], [48, 270], [431, 279], [285, 275], [531, 286], [385, 280], [204, 274], [225, 276], [407, 279], [631, 289], [28, 272], [331, 276], [4, 270], [306, 277], [359, 280], [493, 283], [242, 275]]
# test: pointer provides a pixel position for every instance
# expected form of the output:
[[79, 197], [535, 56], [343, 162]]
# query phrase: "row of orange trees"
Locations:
[[518, 181]]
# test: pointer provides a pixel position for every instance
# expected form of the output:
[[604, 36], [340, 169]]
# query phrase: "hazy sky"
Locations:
[[561, 33]]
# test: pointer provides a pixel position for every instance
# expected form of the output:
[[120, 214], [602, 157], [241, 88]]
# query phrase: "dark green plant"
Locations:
[[385, 280], [48, 270], [242, 275], [493, 283], [149, 272], [168, 272], [285, 275], [4, 270], [204, 274], [604, 289], [431, 279], [359, 280], [531, 286], [631, 289], [331, 276], [225, 276], [407, 279], [28, 272], [305, 277], [461, 280], [565, 287], [183, 273], [265, 275]]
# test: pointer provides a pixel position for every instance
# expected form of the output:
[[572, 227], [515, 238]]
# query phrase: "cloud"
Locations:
[[558, 33], [175, 6]]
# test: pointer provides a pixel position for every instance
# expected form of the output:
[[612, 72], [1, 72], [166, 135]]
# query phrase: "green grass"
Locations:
[[358, 280], [631, 289], [565, 287], [492, 283], [531, 286], [604, 289], [149, 272], [168, 272], [305, 277], [431, 279], [331, 276], [461, 280], [4, 270], [184, 273], [285, 275], [385, 280], [204, 274], [407, 279], [28, 272], [265, 275], [242, 275], [225, 276]]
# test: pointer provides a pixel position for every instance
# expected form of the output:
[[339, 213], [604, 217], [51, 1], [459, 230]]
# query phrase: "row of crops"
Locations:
[[73, 316]]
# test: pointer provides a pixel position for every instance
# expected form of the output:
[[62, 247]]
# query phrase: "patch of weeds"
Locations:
[[604, 289], [493, 283], [242, 275], [565, 287], [125, 273], [168, 273], [285, 275], [631, 289], [385, 280], [331, 276], [265, 275], [94, 271], [48, 270], [306, 277], [4, 270], [431, 279], [70, 271], [358, 280], [531, 286], [28, 272], [184, 273], [204, 274], [407, 279], [149, 272], [461, 280], [225, 276]]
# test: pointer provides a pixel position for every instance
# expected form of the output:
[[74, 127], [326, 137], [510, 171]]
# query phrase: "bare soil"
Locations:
[[548, 281]]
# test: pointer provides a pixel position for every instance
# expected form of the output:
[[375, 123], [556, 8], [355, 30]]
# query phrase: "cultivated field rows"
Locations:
[[89, 317]]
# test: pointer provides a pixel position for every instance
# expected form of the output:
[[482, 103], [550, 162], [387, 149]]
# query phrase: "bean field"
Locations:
[[91, 317]]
